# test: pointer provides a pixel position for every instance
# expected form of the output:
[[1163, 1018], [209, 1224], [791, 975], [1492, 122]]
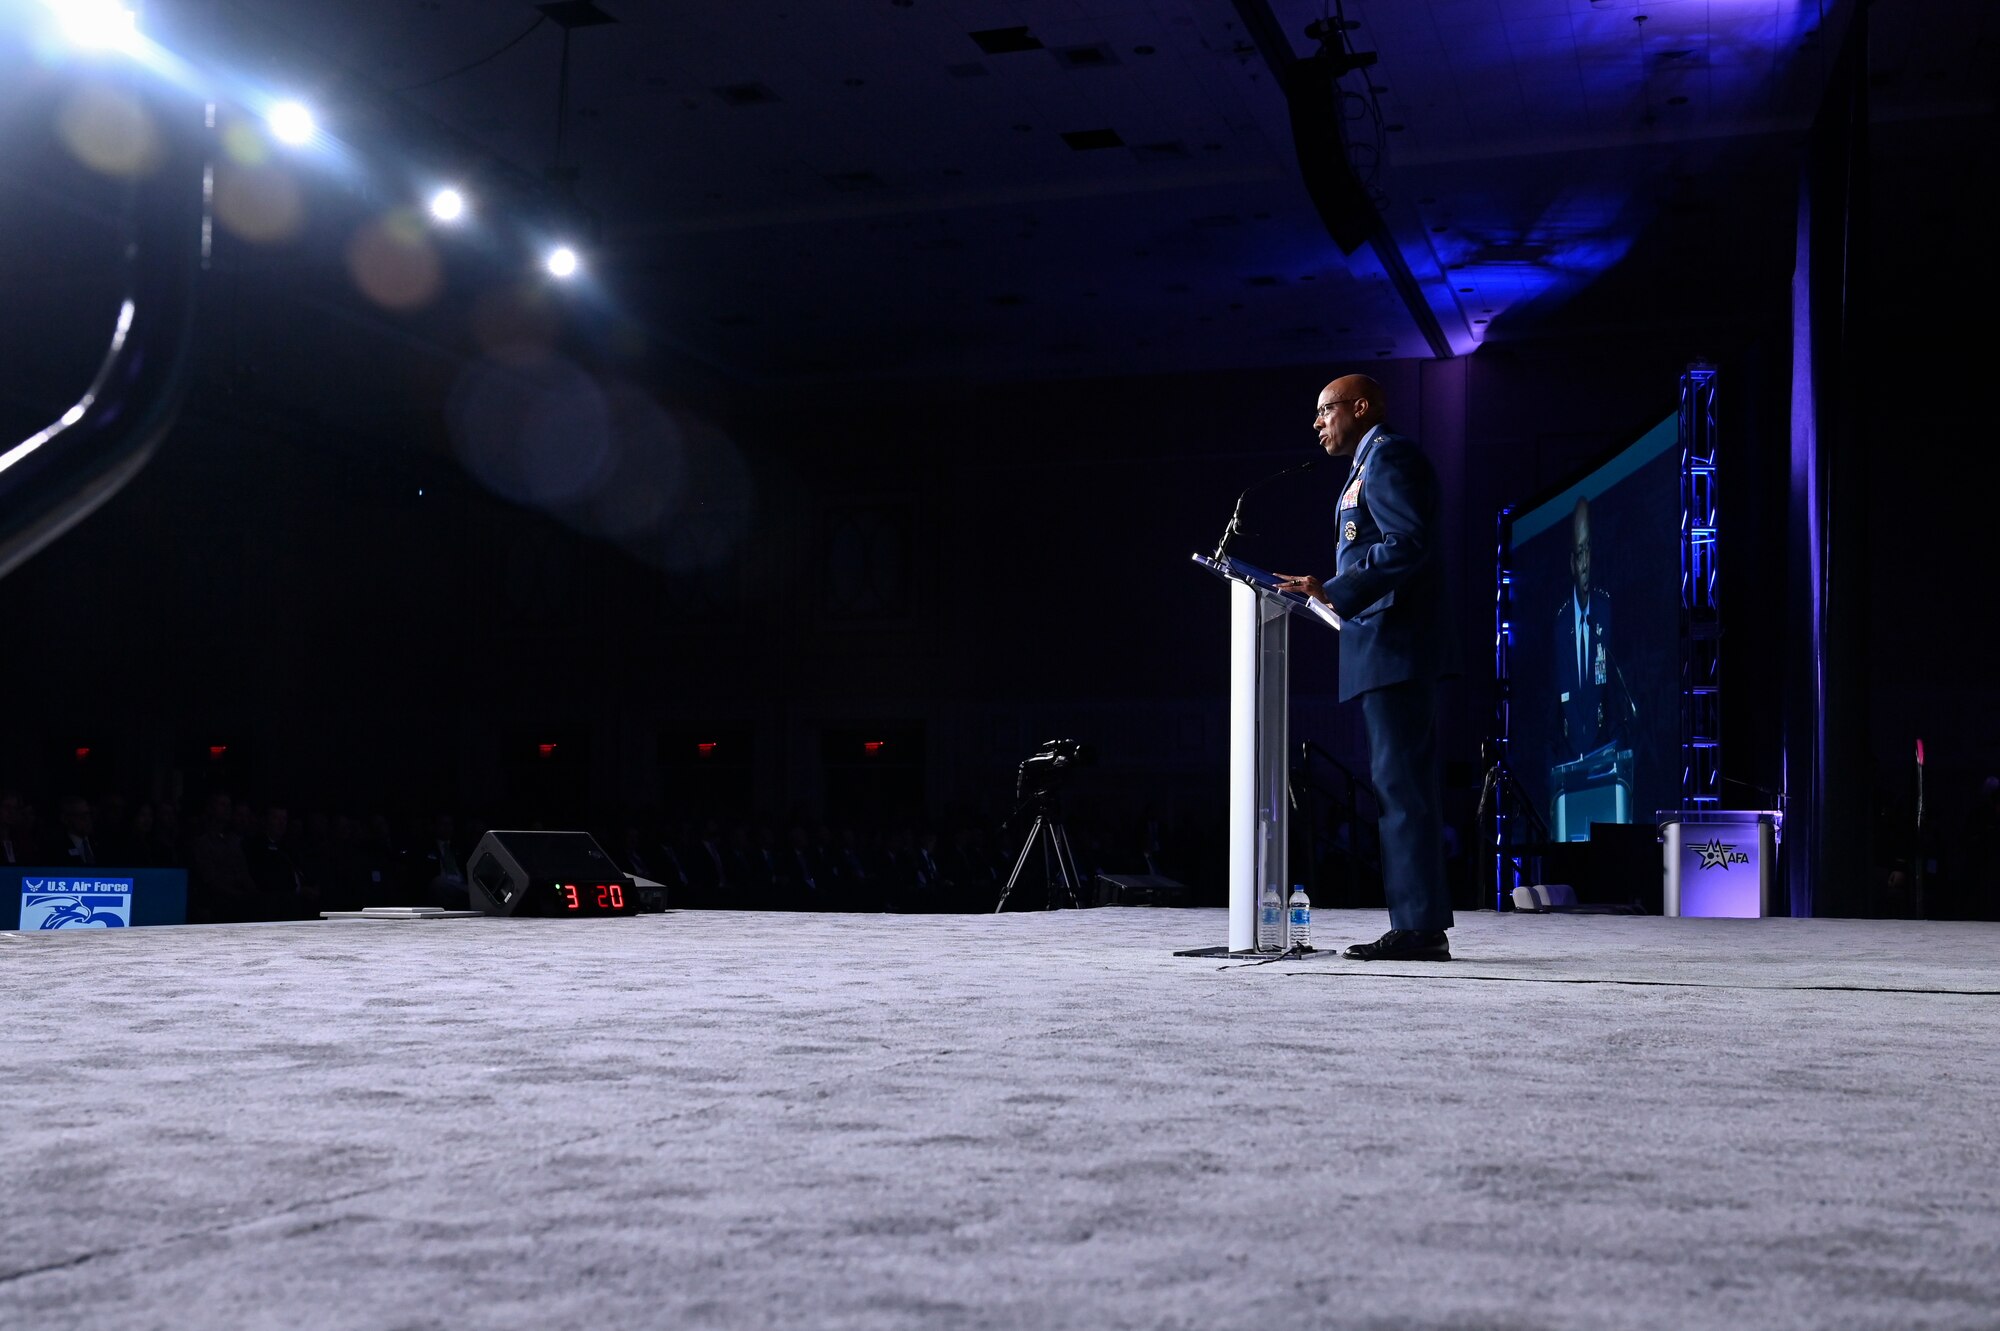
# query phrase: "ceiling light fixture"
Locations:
[[96, 25], [291, 122]]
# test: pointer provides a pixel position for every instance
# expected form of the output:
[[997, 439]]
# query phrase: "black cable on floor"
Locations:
[[1289, 954], [1357, 974]]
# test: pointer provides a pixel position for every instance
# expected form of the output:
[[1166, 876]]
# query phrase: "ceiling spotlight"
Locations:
[[562, 261], [291, 122], [97, 25], [447, 205]]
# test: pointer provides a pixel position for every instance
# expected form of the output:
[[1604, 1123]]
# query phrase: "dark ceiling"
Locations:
[[1061, 186], [806, 193]]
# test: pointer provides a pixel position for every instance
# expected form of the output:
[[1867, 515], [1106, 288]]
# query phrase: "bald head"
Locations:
[[1348, 408]]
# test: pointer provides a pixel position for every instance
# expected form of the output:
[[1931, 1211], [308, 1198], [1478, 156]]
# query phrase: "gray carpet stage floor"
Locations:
[[732, 1121]]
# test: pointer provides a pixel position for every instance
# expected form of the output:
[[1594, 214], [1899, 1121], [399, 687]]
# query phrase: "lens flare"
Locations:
[[109, 131], [393, 263], [260, 204]]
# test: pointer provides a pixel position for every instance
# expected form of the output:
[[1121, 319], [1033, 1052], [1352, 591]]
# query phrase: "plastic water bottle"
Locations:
[[1270, 919], [1299, 934]]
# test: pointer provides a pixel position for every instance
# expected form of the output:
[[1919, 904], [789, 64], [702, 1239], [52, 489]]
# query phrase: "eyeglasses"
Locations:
[[1326, 409]]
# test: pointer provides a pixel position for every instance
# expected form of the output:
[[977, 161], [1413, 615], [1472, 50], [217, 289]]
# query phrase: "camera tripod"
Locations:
[[1058, 860], [1499, 789]]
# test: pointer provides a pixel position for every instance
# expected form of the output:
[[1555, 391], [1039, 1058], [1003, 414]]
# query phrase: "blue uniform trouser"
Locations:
[[1403, 759]]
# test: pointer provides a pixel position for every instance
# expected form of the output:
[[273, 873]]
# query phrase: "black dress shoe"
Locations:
[[1404, 945]]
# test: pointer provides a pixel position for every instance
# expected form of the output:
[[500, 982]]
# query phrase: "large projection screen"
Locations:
[[1595, 661]]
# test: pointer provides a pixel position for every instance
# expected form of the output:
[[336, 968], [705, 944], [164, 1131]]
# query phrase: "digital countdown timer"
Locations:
[[589, 899], [565, 875]]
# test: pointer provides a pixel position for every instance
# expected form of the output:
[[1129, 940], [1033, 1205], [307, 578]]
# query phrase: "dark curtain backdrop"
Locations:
[[1826, 690]]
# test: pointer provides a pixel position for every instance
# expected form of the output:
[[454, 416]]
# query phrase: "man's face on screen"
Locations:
[[1579, 551]]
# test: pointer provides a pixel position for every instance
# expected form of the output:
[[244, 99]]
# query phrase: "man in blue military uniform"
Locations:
[[1592, 705], [1395, 644]]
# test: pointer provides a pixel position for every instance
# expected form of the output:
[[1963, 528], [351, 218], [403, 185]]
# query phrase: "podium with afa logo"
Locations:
[[1720, 862]]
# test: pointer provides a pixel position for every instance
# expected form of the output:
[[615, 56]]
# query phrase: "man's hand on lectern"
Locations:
[[1304, 584]]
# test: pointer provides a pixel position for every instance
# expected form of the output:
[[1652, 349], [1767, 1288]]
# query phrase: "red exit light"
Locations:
[[546, 750], [871, 746], [216, 752], [705, 748], [82, 752]]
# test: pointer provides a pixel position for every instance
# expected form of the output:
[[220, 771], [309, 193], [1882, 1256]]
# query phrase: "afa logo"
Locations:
[[1715, 855], [76, 903]]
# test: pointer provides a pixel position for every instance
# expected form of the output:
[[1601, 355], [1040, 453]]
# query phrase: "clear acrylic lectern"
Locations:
[[1259, 752]]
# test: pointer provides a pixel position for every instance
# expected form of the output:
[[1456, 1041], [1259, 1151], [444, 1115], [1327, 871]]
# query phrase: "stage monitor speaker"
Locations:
[[557, 874], [1337, 190]]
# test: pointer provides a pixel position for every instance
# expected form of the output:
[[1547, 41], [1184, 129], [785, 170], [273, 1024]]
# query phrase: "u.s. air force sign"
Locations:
[[76, 903]]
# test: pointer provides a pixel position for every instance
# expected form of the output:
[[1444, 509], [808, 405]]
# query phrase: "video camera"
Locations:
[[1049, 765]]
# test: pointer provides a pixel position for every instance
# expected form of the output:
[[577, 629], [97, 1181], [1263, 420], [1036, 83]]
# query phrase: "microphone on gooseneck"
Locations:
[[1235, 527]]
